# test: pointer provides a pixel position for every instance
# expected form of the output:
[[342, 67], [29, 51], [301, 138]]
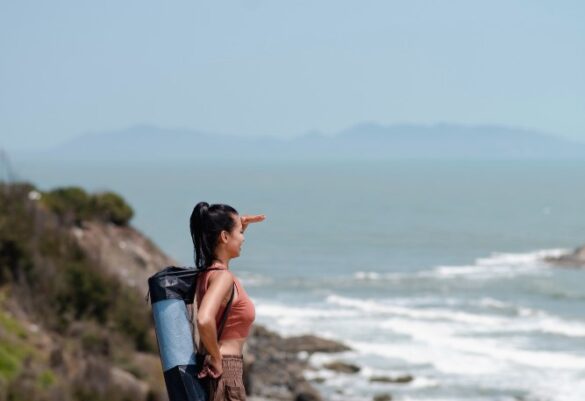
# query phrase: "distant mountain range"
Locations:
[[367, 141]]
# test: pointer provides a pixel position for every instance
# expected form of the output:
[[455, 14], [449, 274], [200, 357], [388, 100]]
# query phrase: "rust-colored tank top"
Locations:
[[241, 314]]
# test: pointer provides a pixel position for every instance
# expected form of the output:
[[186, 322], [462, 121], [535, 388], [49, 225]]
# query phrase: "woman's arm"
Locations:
[[220, 284]]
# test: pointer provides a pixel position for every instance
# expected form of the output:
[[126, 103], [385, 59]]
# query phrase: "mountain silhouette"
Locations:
[[365, 141]]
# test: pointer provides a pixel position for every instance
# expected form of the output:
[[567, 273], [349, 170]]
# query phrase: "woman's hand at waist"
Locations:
[[212, 367]]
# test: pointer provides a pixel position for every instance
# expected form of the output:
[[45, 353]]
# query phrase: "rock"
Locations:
[[342, 367], [398, 379], [573, 259], [122, 251], [305, 392], [276, 371], [126, 383], [310, 343], [382, 397]]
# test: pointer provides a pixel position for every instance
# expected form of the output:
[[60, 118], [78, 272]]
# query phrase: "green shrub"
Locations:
[[46, 379], [9, 362], [109, 206], [69, 203], [132, 318], [85, 293], [12, 356], [73, 205], [14, 259]]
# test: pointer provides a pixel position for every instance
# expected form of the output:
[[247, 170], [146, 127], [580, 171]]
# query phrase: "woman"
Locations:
[[218, 233]]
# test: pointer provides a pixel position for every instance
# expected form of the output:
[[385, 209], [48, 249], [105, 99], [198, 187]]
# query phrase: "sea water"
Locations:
[[432, 269]]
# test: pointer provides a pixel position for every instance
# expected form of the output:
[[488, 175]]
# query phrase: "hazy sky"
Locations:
[[283, 68]]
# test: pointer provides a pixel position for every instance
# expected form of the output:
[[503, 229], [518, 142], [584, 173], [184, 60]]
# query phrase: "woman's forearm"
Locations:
[[208, 334]]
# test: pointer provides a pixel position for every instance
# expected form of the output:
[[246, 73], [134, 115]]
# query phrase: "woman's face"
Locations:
[[235, 238]]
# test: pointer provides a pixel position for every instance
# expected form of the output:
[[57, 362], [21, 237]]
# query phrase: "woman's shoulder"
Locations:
[[209, 276], [219, 276]]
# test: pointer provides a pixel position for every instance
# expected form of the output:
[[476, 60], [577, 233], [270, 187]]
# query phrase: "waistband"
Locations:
[[229, 356], [232, 356]]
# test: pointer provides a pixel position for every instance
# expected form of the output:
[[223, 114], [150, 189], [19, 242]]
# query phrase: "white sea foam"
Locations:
[[440, 358], [560, 387], [526, 320], [571, 329], [440, 335], [497, 265], [422, 382], [295, 320], [434, 313], [494, 303], [279, 310], [249, 279], [298, 319]]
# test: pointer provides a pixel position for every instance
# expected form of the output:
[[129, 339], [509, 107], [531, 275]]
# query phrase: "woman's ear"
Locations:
[[223, 237]]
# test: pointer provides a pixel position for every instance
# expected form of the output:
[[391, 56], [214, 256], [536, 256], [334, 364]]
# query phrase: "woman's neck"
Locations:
[[219, 263]]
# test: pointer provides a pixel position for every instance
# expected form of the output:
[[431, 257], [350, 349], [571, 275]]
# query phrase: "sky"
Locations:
[[285, 68]]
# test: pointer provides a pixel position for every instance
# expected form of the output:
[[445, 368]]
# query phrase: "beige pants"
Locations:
[[230, 385]]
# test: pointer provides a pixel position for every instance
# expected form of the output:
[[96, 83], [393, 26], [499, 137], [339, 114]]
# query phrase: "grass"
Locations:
[[12, 356], [11, 325], [46, 379]]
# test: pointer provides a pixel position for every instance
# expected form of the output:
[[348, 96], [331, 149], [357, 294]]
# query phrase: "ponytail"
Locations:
[[206, 223]]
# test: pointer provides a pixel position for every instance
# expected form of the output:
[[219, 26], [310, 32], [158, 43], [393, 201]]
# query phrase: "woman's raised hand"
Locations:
[[247, 219]]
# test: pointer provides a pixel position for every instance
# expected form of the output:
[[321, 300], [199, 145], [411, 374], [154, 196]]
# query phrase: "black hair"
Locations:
[[206, 223]]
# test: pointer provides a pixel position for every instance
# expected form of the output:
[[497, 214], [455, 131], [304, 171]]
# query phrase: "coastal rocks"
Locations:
[[342, 367], [306, 392], [573, 259], [398, 379], [311, 344], [382, 397], [277, 371]]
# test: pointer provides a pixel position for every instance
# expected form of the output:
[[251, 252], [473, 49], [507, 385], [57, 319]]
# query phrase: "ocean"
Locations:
[[426, 268]]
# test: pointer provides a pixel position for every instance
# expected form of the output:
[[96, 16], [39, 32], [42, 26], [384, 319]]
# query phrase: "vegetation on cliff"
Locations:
[[80, 309], [73, 203]]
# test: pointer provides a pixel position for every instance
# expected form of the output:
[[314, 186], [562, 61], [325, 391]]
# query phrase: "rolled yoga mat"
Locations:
[[171, 290]]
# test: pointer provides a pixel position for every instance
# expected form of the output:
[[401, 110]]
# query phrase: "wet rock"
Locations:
[[276, 370], [382, 397], [573, 259], [387, 379], [310, 343], [306, 392], [342, 367]]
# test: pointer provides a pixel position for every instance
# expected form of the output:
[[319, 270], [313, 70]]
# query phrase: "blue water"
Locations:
[[427, 268]]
